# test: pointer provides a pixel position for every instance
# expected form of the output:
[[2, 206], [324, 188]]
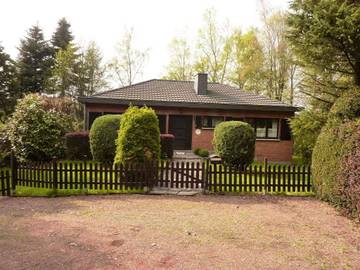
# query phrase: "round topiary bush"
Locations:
[[36, 131], [335, 142], [234, 142], [139, 136], [102, 136]]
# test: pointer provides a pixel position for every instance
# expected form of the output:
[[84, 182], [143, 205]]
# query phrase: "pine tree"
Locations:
[[8, 87], [34, 61], [62, 36]]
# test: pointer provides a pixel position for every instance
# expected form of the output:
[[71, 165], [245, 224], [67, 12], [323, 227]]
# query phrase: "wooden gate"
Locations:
[[182, 175]]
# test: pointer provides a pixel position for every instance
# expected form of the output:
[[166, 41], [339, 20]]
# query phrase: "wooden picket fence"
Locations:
[[205, 176]]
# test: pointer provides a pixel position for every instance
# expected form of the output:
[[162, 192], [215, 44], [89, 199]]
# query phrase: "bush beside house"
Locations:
[[77, 146], [139, 136], [234, 142], [102, 137], [36, 129]]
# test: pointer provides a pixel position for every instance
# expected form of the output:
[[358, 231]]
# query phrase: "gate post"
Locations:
[[13, 166], [55, 171], [205, 175], [266, 175]]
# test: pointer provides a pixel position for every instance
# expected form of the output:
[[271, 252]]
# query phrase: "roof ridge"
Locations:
[[123, 87]]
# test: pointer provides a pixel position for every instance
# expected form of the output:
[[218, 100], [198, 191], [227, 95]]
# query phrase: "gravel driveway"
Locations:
[[152, 232]]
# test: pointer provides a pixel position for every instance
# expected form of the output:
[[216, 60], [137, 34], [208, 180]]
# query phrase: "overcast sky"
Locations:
[[155, 22]]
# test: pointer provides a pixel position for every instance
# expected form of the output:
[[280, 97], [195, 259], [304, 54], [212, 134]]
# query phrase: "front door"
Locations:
[[181, 127]]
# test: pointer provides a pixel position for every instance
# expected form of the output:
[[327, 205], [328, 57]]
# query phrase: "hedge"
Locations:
[[202, 152], [77, 145], [139, 136], [102, 137], [335, 142], [234, 142]]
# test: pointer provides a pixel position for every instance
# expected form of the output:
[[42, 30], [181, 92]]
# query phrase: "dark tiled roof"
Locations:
[[182, 94]]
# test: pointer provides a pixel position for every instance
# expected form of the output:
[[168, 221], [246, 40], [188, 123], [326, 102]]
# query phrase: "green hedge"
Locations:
[[77, 145], [139, 136], [234, 142], [336, 141], [102, 137], [202, 152]]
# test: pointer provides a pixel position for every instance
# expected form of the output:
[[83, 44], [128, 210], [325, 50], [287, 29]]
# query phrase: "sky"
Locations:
[[154, 22]]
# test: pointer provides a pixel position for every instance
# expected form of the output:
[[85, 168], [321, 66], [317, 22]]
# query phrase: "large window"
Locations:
[[266, 128], [211, 121]]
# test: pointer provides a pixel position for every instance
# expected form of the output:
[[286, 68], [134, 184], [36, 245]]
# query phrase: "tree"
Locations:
[[180, 66], [63, 80], [325, 35], [278, 56], [91, 71], [8, 83], [62, 37], [128, 65], [34, 61], [214, 48], [247, 62]]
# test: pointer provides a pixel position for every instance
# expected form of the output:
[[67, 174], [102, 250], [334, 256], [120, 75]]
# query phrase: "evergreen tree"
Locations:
[[62, 36], [8, 87], [34, 61]]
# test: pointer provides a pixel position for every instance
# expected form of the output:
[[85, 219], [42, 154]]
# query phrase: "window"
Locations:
[[265, 128], [211, 121]]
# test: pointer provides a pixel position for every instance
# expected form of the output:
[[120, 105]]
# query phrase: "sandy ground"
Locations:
[[162, 232]]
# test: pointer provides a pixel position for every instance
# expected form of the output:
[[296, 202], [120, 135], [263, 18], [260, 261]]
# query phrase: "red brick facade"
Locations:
[[274, 150]]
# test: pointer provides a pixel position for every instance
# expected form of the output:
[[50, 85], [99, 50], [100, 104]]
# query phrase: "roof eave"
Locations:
[[97, 100]]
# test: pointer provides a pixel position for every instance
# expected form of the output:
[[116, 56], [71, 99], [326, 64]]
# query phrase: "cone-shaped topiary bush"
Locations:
[[234, 142], [139, 136], [103, 134]]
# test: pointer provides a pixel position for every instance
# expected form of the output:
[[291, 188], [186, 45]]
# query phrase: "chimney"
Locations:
[[201, 84]]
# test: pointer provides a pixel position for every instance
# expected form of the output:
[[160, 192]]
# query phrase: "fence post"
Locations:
[[266, 175], [13, 166], [55, 173], [205, 167]]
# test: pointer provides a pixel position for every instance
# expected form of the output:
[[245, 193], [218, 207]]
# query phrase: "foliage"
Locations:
[[35, 61], [139, 136], [5, 146], [202, 152], [8, 84], [334, 143], [77, 145], [129, 63], [325, 34], [167, 145], [91, 71], [349, 180], [62, 36], [234, 142], [247, 63], [103, 134], [180, 66], [214, 45], [35, 132], [305, 128]]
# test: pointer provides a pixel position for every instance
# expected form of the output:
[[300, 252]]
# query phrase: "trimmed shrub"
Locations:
[[234, 142], [202, 152], [102, 136], [77, 145], [349, 180], [139, 136], [36, 132], [335, 142], [167, 145]]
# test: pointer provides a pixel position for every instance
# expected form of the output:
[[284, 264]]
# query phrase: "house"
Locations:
[[191, 109]]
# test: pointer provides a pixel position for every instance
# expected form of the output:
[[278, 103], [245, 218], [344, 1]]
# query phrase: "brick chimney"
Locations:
[[201, 84]]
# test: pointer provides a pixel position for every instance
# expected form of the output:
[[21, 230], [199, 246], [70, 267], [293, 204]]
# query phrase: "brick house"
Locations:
[[190, 110]]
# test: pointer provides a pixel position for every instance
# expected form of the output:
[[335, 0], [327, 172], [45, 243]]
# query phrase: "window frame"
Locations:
[[267, 127], [211, 119]]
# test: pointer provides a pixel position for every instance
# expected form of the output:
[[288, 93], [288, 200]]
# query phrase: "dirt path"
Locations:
[[150, 232]]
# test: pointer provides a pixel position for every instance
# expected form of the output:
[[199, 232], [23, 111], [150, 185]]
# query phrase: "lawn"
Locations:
[[169, 232]]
